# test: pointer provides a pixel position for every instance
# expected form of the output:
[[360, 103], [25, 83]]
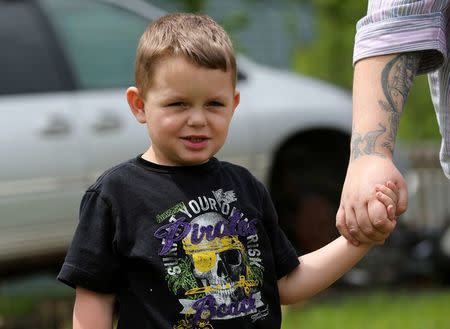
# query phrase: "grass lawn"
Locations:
[[373, 310]]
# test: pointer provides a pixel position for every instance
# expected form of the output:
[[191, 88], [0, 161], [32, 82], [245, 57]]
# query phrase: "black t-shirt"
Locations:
[[181, 247]]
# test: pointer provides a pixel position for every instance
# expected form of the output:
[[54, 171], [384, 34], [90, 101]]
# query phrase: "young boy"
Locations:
[[180, 239]]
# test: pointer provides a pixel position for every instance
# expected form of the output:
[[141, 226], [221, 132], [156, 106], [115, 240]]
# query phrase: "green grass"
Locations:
[[21, 296], [373, 310], [19, 306], [395, 309]]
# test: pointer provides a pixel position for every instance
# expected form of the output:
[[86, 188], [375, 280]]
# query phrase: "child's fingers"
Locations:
[[391, 212], [379, 217], [390, 190], [388, 203], [385, 199], [393, 187]]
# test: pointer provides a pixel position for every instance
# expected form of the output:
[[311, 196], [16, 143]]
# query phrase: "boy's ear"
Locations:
[[136, 104], [237, 99]]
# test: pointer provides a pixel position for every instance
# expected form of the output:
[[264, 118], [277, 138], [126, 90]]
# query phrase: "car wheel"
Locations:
[[306, 183]]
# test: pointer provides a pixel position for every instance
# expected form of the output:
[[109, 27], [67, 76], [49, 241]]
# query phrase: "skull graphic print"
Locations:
[[219, 264], [207, 261]]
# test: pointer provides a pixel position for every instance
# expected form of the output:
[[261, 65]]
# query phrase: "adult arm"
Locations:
[[380, 88], [92, 310], [319, 269], [394, 41]]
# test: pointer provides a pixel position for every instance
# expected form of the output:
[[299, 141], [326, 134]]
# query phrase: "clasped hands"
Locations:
[[373, 196]]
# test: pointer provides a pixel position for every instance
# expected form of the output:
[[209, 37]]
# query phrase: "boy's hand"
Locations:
[[382, 211], [388, 195]]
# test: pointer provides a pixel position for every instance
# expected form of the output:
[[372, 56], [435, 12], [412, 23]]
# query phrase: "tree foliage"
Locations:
[[192, 5]]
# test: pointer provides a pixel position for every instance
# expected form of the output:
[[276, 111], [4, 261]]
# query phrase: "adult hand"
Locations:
[[361, 218]]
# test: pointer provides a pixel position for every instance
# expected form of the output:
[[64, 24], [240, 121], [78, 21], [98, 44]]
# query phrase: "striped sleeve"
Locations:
[[394, 26]]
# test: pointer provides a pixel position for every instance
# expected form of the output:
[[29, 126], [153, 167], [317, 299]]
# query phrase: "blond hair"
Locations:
[[197, 38]]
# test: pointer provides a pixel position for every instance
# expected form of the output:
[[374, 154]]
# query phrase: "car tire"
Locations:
[[306, 183]]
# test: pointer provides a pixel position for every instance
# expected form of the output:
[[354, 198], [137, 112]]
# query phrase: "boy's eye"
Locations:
[[215, 104], [177, 104]]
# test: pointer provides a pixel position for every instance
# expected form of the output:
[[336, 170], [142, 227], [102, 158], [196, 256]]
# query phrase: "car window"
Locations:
[[28, 60], [100, 40]]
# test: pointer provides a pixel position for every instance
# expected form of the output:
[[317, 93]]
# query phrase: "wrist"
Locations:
[[372, 142], [383, 155], [363, 247]]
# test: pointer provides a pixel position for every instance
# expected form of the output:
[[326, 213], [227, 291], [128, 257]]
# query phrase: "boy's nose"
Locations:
[[197, 117]]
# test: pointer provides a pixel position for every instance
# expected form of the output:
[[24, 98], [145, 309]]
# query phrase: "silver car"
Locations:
[[64, 68]]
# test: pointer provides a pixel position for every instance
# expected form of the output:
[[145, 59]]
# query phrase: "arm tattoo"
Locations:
[[396, 80], [365, 145]]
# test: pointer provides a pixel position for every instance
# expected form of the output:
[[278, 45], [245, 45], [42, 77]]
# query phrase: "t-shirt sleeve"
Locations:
[[404, 26], [285, 256], [91, 261]]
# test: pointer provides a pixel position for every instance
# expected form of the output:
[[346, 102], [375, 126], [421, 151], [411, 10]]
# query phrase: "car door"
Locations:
[[100, 41], [41, 167]]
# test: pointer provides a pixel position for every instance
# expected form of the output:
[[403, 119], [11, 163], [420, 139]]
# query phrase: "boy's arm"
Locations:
[[319, 269], [93, 310]]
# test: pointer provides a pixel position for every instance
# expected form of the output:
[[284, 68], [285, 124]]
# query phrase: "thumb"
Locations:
[[402, 204]]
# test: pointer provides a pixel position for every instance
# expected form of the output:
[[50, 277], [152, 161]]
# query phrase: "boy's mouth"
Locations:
[[195, 139], [195, 143]]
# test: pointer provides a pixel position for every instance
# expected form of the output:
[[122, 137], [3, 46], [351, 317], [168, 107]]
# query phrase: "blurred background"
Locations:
[[64, 69]]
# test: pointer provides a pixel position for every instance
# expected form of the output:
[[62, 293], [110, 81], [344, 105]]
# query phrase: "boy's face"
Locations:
[[187, 110]]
